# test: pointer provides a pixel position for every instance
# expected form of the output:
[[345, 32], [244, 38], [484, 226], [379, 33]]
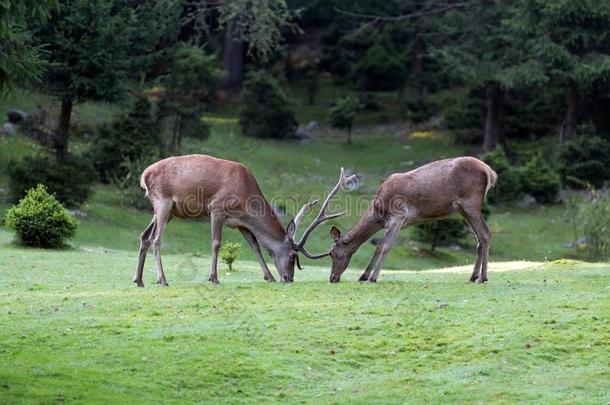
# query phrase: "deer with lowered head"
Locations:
[[195, 186], [430, 192]]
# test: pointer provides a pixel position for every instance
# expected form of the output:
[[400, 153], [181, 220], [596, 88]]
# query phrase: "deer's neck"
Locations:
[[267, 229], [368, 224]]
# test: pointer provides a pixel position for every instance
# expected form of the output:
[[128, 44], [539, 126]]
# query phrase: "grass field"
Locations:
[[74, 329]]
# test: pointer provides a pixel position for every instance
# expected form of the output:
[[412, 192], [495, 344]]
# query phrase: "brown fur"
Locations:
[[195, 186], [433, 191]]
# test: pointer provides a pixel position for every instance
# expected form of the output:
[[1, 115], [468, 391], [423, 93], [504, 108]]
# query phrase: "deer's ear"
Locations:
[[335, 233], [291, 229]]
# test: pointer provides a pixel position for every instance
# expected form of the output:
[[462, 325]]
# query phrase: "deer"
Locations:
[[195, 186], [430, 192]]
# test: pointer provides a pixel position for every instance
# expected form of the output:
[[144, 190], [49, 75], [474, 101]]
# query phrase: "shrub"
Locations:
[[380, 70], [590, 217], [540, 179], [40, 220], [585, 160], [229, 253], [441, 233], [463, 118], [266, 109], [508, 188], [131, 137], [70, 179], [128, 184], [343, 114]]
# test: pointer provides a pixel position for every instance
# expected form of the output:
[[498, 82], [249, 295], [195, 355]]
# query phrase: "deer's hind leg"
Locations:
[[163, 213], [217, 220], [476, 222], [144, 245]]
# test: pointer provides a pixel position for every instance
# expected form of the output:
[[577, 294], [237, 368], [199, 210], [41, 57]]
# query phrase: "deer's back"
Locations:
[[433, 189], [198, 180]]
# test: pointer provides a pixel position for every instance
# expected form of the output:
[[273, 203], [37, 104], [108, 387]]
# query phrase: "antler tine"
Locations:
[[311, 255], [343, 181], [302, 212]]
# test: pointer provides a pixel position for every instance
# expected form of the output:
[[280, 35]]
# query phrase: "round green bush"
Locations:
[[70, 178], [585, 160], [266, 109], [509, 186], [540, 179], [40, 220]]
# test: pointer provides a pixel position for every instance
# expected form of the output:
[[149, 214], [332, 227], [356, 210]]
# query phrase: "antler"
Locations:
[[300, 245]]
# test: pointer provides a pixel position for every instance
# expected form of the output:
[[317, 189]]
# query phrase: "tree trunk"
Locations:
[[60, 143], [494, 120], [417, 67], [233, 59], [571, 120]]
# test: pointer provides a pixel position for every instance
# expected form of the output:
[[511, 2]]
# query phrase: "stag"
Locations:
[[434, 191], [195, 186]]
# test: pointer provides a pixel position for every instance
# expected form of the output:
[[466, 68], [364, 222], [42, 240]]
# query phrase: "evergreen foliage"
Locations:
[[40, 220], [134, 136], [540, 179], [585, 160], [70, 178], [266, 109], [343, 114]]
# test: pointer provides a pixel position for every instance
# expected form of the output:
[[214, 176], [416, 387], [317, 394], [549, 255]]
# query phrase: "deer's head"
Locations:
[[322, 217], [340, 253]]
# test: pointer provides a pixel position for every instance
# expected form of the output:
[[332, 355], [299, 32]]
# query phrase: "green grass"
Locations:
[[74, 329]]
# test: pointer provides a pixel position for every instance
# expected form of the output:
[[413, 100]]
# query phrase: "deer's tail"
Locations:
[[492, 177], [143, 184]]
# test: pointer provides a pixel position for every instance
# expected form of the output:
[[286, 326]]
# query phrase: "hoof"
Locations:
[[163, 283], [481, 280], [213, 280], [139, 283], [371, 280], [269, 279], [473, 278], [363, 279]]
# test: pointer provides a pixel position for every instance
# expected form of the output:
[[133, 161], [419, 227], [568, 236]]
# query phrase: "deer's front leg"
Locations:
[[388, 241], [367, 272], [216, 224], [249, 236]]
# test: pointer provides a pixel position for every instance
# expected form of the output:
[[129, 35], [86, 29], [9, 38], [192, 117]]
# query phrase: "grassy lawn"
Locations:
[[74, 329]]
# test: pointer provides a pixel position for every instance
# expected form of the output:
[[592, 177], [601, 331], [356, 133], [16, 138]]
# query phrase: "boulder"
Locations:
[[16, 116], [307, 132], [9, 129], [526, 201]]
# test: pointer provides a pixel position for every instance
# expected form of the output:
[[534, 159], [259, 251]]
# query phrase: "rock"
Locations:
[[16, 116], [307, 132], [77, 213], [9, 129], [526, 201]]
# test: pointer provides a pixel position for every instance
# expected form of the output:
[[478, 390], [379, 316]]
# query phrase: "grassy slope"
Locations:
[[74, 329], [279, 167]]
